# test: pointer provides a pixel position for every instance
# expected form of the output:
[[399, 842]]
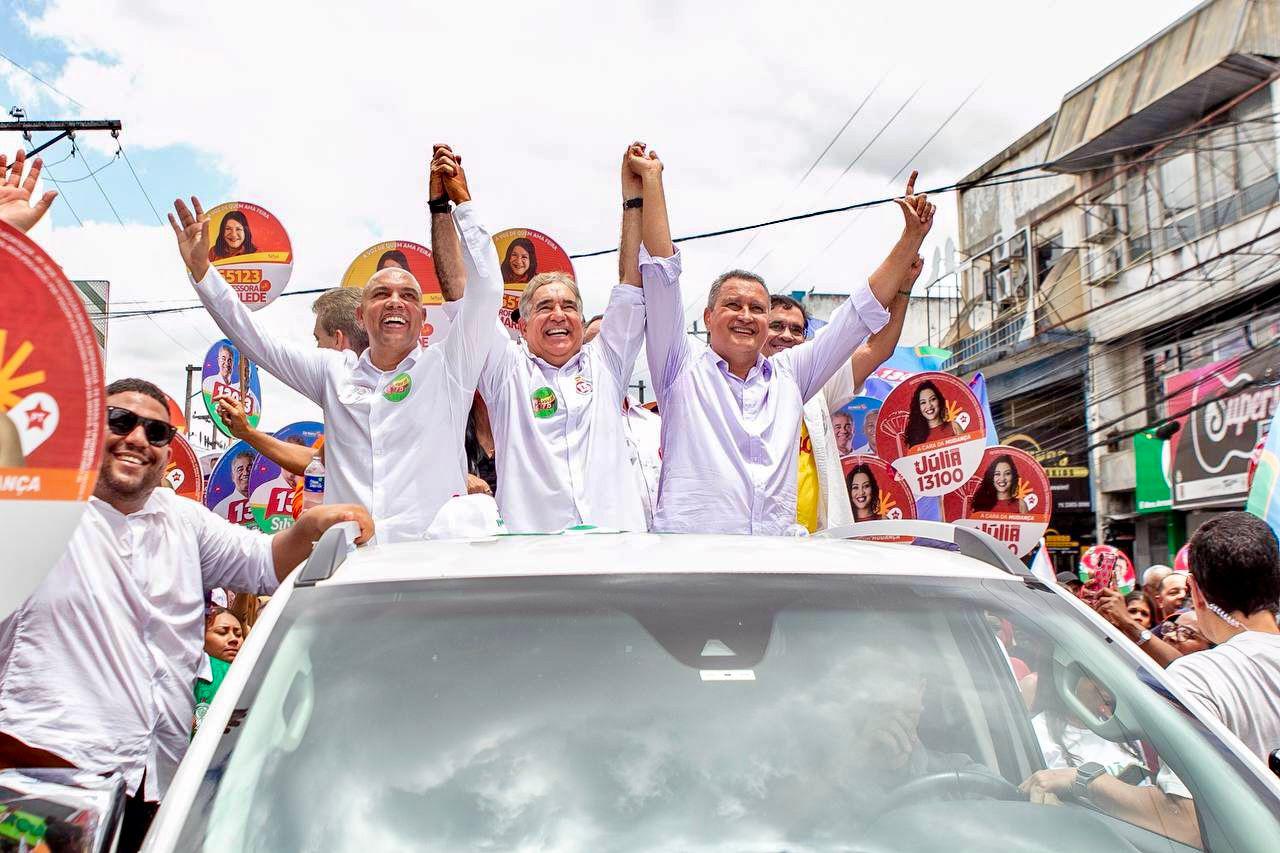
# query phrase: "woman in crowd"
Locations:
[[999, 489], [223, 634], [520, 263], [864, 493], [1067, 742], [394, 259], [927, 420], [1140, 608], [234, 238]]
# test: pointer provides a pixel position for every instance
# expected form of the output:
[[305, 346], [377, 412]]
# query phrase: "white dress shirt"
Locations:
[[565, 465], [98, 666], [399, 455], [644, 446], [729, 444]]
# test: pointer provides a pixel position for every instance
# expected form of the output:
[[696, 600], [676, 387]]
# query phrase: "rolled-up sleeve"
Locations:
[[815, 361], [665, 340]]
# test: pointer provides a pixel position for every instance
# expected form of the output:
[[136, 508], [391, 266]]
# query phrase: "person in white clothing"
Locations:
[[97, 666], [554, 401], [394, 415], [731, 416], [822, 501], [644, 449]]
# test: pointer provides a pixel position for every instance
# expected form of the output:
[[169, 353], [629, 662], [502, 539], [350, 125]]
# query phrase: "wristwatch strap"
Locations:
[[439, 205], [633, 203], [1085, 774], [1144, 636]]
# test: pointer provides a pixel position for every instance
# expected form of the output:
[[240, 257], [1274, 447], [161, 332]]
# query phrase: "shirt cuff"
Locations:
[[670, 267], [875, 315], [626, 294]]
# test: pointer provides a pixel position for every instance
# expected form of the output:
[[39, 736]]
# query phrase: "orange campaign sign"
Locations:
[[182, 474], [251, 249], [416, 260], [52, 409], [525, 253]]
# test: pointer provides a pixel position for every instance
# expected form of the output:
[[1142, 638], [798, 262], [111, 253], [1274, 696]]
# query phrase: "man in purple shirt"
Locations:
[[730, 416]]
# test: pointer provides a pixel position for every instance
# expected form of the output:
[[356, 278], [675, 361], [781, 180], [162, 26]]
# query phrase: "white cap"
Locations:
[[466, 517]]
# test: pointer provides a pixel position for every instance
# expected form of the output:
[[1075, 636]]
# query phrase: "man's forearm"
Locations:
[[629, 247], [895, 269], [1148, 807], [294, 458], [877, 348], [1158, 650], [446, 254], [654, 227]]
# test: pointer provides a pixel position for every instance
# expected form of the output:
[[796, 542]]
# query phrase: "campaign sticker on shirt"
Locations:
[[582, 385], [51, 413], [227, 493], [544, 401], [221, 378], [1009, 498], [416, 260], [1104, 566], [271, 488], [931, 430], [251, 250], [182, 474], [855, 425], [525, 253], [398, 388], [876, 491]]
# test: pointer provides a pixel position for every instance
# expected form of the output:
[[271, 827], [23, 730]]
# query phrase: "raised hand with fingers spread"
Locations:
[[16, 208], [192, 232]]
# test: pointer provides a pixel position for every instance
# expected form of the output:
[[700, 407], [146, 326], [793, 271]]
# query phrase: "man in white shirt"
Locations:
[[554, 401], [394, 415], [97, 667], [730, 415], [822, 501]]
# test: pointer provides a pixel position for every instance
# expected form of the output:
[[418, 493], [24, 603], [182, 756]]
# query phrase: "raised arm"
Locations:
[[301, 368], [446, 248], [16, 208], [294, 458], [917, 214], [629, 242], [666, 344]]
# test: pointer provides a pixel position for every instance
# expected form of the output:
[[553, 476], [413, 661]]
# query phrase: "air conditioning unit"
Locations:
[[1101, 222], [1005, 289], [1103, 265], [1000, 257], [1018, 245]]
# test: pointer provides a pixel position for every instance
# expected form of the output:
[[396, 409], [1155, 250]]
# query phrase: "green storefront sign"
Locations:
[[1153, 492]]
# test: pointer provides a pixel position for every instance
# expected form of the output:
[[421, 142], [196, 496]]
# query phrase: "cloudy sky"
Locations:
[[324, 113]]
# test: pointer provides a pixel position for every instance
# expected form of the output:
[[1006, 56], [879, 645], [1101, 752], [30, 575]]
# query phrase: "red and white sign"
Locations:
[[1008, 498], [183, 471], [931, 430]]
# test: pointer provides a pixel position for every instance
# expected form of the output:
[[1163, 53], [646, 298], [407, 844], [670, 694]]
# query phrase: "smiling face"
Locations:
[[226, 360], [391, 312], [843, 425], [222, 637], [869, 427], [240, 468], [786, 329], [1173, 592], [931, 406], [518, 261], [1002, 478], [738, 322], [131, 466], [860, 492], [553, 326], [233, 234]]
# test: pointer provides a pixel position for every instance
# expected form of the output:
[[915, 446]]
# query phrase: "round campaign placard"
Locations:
[[182, 474], [176, 416], [931, 430], [1106, 565], [51, 414], [876, 491], [227, 492], [271, 488], [525, 253], [1009, 498], [251, 249], [414, 259], [221, 378], [1181, 560], [858, 420]]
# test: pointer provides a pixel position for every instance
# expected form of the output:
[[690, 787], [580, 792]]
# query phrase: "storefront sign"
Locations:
[[1067, 471], [1152, 492]]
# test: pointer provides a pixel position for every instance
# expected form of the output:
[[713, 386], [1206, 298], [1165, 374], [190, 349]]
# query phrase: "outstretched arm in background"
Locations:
[[294, 458]]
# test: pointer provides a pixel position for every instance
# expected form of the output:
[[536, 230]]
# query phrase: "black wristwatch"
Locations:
[[438, 205], [1085, 774], [633, 203]]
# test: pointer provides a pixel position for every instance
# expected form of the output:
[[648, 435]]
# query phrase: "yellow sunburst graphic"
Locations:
[[11, 381]]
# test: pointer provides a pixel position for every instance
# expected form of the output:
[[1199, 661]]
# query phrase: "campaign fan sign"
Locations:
[[857, 420], [272, 489], [876, 491], [1008, 498], [931, 430], [182, 474], [221, 378], [251, 250], [415, 260], [51, 413], [227, 493], [1105, 566], [524, 253]]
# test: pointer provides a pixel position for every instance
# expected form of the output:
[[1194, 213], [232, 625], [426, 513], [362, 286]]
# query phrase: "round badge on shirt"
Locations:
[[582, 385], [545, 403], [398, 388]]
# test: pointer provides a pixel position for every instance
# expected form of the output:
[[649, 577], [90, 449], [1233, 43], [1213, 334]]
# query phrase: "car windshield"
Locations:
[[711, 712]]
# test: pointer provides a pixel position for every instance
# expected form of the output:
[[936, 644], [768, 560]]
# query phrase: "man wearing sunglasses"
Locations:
[[96, 667]]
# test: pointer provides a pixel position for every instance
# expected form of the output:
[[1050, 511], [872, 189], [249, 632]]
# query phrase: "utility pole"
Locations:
[[64, 129], [186, 402]]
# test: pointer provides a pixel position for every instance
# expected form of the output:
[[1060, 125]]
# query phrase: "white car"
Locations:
[[604, 692]]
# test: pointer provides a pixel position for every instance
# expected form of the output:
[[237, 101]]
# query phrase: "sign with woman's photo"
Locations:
[[221, 378], [931, 430], [414, 259], [227, 493], [525, 253], [1009, 498], [272, 489], [251, 250], [182, 474], [51, 413], [876, 491], [1103, 566]]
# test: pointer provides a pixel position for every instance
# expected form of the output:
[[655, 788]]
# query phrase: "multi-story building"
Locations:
[[1119, 283]]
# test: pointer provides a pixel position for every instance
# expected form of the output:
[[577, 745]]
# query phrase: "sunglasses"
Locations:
[[122, 422]]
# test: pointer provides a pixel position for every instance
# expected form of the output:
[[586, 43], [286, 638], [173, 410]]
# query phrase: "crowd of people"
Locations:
[[111, 662]]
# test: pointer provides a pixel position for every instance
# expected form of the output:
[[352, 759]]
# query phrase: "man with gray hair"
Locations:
[[395, 414], [554, 403]]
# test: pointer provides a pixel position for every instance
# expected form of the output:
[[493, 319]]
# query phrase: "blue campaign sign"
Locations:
[[272, 490], [227, 493]]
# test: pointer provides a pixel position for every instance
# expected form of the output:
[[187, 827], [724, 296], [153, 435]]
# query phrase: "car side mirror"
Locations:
[[61, 809], [1273, 761]]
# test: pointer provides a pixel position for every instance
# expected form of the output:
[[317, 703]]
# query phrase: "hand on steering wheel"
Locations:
[[956, 783]]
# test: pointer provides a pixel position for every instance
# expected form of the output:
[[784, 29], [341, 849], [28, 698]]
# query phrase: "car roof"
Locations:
[[512, 556]]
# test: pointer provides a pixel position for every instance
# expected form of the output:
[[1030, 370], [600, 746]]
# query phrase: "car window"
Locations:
[[663, 712]]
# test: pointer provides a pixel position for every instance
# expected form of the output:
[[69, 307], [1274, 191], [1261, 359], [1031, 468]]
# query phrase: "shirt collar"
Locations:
[[365, 363], [573, 362], [153, 506], [762, 367]]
